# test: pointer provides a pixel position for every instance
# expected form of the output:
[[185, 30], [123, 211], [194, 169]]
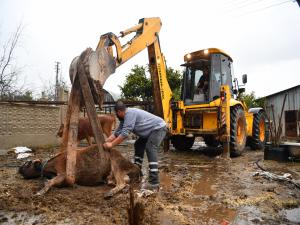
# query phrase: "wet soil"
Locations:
[[195, 189]]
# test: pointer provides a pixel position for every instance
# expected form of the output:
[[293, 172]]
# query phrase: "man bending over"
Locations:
[[151, 130]]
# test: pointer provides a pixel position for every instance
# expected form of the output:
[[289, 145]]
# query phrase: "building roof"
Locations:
[[107, 96], [283, 91]]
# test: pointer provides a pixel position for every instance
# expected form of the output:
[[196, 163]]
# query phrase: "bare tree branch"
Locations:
[[9, 73]]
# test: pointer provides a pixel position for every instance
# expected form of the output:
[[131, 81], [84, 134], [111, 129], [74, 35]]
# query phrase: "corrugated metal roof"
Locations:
[[107, 96], [280, 92]]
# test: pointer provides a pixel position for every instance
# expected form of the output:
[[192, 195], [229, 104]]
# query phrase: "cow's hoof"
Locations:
[[126, 189], [39, 193], [111, 183], [108, 195], [75, 186]]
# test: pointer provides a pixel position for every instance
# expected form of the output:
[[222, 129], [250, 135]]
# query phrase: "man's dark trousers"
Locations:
[[151, 145]]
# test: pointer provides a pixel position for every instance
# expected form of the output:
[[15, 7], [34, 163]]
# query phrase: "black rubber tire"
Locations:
[[237, 118], [255, 141], [210, 141], [181, 142]]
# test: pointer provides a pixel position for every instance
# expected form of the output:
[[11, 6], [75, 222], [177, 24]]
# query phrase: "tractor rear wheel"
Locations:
[[237, 131], [181, 142], [211, 141], [258, 139]]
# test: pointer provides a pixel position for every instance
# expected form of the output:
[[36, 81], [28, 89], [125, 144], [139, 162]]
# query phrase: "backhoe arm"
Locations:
[[146, 36]]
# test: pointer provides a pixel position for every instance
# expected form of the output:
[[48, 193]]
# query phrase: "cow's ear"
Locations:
[[37, 165]]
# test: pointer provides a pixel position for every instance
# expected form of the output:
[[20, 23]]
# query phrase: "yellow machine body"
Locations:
[[210, 116]]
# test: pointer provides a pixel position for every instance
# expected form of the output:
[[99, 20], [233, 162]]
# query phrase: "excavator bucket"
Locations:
[[100, 64]]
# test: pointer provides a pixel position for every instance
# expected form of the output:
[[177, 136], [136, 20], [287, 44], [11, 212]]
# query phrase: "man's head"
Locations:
[[120, 109], [31, 169]]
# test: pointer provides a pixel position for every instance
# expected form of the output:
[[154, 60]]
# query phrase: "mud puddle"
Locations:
[[209, 191], [7, 218], [292, 215], [196, 200]]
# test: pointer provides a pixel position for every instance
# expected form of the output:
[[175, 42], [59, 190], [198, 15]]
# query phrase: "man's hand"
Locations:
[[110, 138], [107, 145], [110, 144]]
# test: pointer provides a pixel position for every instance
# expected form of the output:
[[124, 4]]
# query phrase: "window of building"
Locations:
[[291, 123]]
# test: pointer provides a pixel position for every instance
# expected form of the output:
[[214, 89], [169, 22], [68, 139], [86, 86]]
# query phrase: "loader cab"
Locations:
[[205, 72]]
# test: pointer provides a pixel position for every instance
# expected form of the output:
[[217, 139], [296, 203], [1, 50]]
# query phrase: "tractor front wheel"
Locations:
[[258, 139], [237, 131]]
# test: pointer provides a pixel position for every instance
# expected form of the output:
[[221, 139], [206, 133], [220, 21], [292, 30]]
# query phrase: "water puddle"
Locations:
[[215, 214], [293, 215], [198, 178], [204, 186], [3, 152], [219, 213], [165, 180], [165, 218], [7, 218], [248, 215]]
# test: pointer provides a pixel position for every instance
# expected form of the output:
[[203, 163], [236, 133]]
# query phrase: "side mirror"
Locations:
[[241, 90], [244, 78]]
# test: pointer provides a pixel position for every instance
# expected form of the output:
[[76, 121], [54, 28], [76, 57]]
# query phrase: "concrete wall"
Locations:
[[28, 125], [31, 125]]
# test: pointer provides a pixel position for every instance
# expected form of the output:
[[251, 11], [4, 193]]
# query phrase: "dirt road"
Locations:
[[196, 189]]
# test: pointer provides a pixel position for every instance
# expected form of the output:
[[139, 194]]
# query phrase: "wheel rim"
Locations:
[[240, 131], [261, 130]]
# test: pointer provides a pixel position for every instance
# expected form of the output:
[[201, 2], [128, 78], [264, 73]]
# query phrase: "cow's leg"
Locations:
[[115, 190], [105, 129], [120, 177], [58, 180], [89, 140], [126, 179], [110, 179], [109, 130]]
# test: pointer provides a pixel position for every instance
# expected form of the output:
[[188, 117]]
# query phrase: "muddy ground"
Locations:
[[195, 189]]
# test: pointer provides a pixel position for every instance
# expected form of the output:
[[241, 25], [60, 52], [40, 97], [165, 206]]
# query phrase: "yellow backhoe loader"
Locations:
[[208, 105]]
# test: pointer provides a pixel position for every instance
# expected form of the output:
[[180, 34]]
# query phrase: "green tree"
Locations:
[[138, 86], [174, 78], [251, 100]]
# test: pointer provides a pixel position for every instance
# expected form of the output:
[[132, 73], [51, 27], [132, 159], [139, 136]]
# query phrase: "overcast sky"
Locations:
[[262, 36]]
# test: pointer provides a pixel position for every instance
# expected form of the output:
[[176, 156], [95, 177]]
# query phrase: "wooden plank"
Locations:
[[64, 143], [72, 134], [90, 107]]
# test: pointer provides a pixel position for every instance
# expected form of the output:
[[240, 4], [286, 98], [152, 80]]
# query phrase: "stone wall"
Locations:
[[28, 125]]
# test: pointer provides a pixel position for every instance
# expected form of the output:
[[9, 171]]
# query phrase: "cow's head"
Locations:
[[31, 169], [60, 130]]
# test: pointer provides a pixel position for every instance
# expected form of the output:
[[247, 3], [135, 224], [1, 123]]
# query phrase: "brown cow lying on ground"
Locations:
[[85, 130], [91, 169]]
